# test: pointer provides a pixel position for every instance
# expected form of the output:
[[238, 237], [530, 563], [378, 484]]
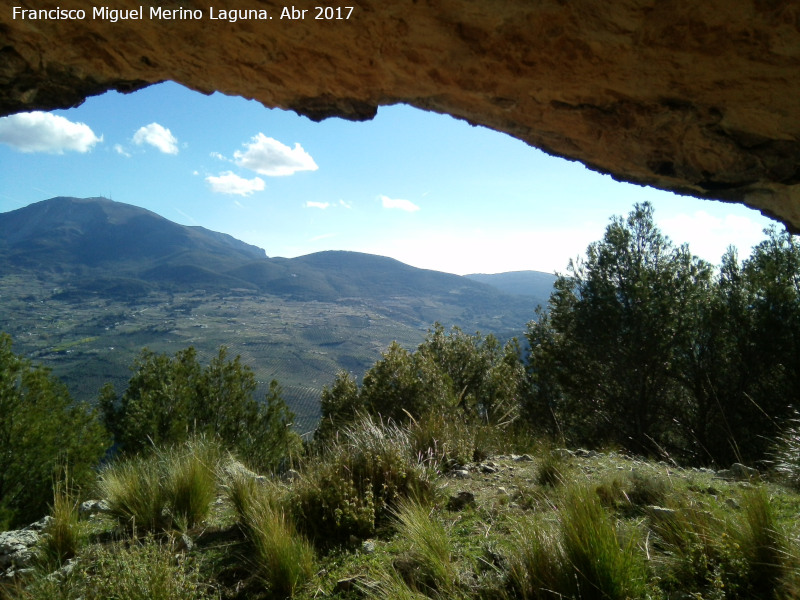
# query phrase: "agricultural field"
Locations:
[[302, 344]]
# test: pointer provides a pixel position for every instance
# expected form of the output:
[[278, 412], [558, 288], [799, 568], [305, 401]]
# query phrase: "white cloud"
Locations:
[[267, 156], [46, 132], [230, 183], [321, 205], [345, 204], [218, 156], [157, 136], [119, 149], [398, 203]]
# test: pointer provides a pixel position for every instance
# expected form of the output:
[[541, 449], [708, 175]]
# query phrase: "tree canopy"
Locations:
[[42, 430], [647, 347], [468, 376], [170, 398]]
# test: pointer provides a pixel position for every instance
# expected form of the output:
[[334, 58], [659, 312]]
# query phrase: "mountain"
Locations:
[[537, 284], [97, 233], [98, 246], [86, 283]]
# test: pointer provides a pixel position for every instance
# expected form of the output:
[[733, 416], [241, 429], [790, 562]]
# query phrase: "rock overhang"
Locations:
[[697, 98]]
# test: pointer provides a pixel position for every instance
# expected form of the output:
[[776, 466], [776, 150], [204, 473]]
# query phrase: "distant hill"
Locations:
[[98, 246], [537, 284], [85, 234], [86, 283]]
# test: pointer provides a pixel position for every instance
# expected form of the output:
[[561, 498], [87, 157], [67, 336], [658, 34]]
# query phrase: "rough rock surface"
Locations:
[[17, 547], [696, 97]]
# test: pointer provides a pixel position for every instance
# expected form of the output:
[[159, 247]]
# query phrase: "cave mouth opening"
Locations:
[[424, 188]]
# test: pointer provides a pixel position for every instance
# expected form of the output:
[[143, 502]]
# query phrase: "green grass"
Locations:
[[578, 552], [535, 560], [763, 545], [613, 528], [166, 489], [190, 482], [787, 453], [551, 470], [430, 548], [598, 563], [135, 493], [282, 558], [64, 536], [124, 571]]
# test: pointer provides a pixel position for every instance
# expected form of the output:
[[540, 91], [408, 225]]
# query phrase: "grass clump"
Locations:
[[602, 565], [135, 493], [535, 565], [551, 469], [583, 556], [647, 489], [764, 547], [63, 536], [747, 554], [695, 549], [787, 453], [283, 559], [442, 438], [241, 486], [189, 474], [430, 563], [392, 586], [166, 489]]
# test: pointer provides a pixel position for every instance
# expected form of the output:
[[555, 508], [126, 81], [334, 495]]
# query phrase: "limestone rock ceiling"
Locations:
[[701, 98]]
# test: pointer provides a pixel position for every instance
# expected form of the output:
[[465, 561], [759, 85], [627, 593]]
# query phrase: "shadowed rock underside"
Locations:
[[702, 98]]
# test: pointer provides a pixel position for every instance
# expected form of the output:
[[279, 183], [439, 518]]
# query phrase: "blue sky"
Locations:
[[426, 189]]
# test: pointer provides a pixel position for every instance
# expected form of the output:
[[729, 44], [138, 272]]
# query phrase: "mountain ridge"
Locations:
[[101, 240], [85, 284], [537, 284]]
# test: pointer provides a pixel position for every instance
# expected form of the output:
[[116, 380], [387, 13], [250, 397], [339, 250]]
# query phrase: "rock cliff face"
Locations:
[[702, 98]]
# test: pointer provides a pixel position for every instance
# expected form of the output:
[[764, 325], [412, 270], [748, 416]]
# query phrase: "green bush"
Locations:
[[353, 485], [41, 429], [170, 399], [470, 378]]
